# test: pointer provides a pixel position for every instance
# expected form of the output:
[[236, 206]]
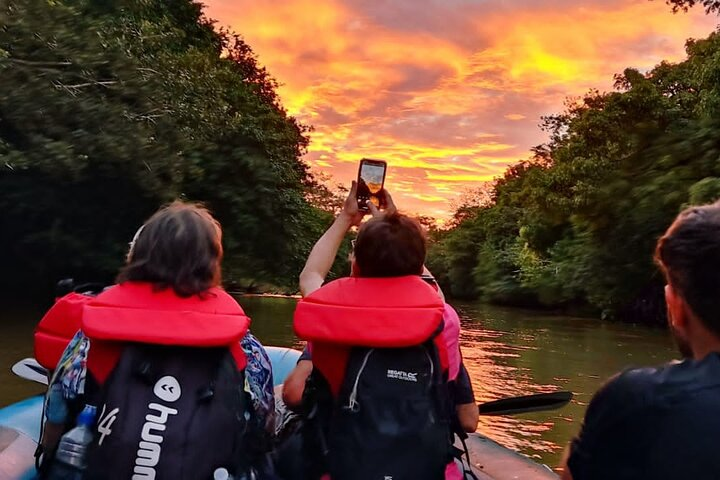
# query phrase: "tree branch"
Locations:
[[38, 64], [78, 86]]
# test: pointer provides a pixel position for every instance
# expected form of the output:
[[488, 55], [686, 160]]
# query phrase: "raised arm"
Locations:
[[323, 254]]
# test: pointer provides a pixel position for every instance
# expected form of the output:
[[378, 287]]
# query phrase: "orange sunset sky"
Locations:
[[448, 92]]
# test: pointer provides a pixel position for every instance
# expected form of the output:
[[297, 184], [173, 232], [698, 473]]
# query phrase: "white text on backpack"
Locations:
[[400, 375], [148, 454], [105, 423]]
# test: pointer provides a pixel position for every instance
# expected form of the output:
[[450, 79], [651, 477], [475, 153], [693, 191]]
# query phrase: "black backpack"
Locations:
[[170, 413], [390, 421]]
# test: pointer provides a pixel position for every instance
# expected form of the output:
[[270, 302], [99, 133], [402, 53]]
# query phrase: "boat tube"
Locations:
[[20, 429]]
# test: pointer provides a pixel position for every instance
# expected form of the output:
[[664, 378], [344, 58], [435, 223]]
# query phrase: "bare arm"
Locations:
[[294, 385], [323, 254], [566, 474], [468, 415]]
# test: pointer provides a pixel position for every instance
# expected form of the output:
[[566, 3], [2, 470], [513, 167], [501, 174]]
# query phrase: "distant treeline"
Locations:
[[575, 226], [109, 109]]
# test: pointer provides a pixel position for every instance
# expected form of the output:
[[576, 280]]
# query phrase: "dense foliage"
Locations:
[[710, 5], [576, 224], [109, 109]]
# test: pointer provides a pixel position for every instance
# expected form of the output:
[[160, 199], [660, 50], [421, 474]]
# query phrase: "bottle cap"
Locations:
[[87, 416], [221, 474]]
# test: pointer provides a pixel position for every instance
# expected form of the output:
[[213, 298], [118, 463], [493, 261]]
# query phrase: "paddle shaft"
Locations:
[[526, 403]]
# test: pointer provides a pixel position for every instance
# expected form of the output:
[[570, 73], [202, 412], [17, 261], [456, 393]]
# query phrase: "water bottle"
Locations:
[[70, 460]]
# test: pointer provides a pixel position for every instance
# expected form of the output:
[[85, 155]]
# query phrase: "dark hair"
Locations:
[[390, 246], [179, 247], [689, 256]]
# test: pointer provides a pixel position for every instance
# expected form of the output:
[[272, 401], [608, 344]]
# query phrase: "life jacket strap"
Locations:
[[464, 456]]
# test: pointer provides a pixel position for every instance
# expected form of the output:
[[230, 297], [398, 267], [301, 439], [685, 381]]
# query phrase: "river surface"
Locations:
[[506, 351]]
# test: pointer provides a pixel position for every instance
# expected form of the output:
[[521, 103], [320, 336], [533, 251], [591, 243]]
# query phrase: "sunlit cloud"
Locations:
[[447, 92]]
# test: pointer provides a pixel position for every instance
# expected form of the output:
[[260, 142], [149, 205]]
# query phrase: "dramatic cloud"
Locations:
[[449, 92]]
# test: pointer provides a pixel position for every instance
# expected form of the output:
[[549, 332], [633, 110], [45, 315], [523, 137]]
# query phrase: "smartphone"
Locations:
[[371, 180]]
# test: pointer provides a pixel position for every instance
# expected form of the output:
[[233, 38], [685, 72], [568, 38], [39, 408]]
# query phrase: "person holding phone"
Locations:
[[389, 245]]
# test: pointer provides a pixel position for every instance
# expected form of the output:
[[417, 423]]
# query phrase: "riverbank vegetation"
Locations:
[[109, 109], [575, 225]]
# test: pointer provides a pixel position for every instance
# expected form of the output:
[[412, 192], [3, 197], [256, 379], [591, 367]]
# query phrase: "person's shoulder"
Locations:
[[109, 292], [251, 341], [609, 420], [648, 381], [637, 380], [622, 396], [220, 295], [119, 293], [632, 386], [218, 300]]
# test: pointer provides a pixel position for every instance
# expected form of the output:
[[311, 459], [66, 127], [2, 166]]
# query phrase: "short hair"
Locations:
[[689, 256], [179, 247], [390, 246]]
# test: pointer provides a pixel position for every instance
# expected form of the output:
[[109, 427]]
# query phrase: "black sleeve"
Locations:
[[461, 388], [305, 355]]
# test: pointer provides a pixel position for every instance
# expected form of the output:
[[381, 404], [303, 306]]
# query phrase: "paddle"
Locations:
[[526, 403], [30, 369]]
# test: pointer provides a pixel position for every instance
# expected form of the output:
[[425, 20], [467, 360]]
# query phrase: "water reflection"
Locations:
[[510, 352], [272, 319]]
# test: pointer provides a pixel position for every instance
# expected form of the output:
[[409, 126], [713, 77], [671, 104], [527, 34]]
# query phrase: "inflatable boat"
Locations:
[[20, 428]]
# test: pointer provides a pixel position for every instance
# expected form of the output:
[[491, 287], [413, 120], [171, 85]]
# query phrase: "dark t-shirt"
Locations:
[[461, 389], [653, 423]]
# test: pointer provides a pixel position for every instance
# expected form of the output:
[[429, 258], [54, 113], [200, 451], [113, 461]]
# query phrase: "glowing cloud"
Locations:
[[449, 93]]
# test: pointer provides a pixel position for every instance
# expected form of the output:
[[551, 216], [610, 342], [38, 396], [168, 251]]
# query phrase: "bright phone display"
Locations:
[[371, 178]]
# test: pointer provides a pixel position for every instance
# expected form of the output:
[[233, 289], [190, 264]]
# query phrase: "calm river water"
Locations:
[[507, 352]]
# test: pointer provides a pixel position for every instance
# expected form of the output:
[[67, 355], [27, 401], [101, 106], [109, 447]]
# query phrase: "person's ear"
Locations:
[[676, 309]]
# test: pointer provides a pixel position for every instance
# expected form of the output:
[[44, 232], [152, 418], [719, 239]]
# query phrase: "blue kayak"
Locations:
[[20, 429]]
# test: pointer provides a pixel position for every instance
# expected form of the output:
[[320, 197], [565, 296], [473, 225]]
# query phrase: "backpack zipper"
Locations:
[[353, 405]]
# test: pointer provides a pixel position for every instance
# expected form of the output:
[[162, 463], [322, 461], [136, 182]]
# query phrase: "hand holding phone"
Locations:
[[371, 180]]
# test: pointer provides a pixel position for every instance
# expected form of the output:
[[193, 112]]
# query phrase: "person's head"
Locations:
[[179, 247], [389, 246], [689, 256]]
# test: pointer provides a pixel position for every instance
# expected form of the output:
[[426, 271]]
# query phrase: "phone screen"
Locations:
[[371, 178]]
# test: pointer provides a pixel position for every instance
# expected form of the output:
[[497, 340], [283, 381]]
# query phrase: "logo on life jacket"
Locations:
[[400, 375], [148, 454]]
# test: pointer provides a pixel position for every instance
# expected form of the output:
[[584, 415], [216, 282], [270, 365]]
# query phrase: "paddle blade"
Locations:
[[525, 404], [30, 369]]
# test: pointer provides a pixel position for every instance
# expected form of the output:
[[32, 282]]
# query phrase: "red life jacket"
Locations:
[[136, 312], [367, 312], [57, 327]]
